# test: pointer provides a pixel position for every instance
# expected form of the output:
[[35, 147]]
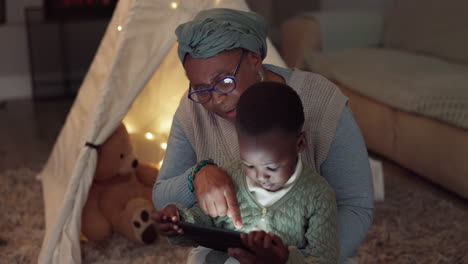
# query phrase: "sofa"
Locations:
[[405, 72]]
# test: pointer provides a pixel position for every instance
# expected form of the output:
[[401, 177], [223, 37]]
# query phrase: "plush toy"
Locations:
[[120, 196]]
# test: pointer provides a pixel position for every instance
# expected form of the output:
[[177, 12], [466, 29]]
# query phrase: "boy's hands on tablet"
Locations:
[[265, 247], [164, 221]]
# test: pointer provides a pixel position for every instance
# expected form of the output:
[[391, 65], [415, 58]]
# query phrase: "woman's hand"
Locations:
[[265, 248], [215, 194], [164, 221]]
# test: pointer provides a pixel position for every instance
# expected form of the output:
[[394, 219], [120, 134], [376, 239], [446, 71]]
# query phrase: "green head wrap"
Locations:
[[218, 29]]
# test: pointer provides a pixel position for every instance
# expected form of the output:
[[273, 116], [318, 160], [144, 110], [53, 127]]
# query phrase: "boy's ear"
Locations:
[[301, 142]]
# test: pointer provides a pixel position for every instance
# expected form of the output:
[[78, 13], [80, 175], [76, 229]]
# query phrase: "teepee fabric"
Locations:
[[135, 76]]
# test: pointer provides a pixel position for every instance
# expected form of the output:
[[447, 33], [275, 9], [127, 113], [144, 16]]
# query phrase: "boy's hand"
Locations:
[[265, 247], [164, 221]]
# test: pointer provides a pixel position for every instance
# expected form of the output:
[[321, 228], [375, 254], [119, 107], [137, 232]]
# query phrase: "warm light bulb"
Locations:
[[149, 136], [174, 5], [119, 28], [217, 2], [164, 145]]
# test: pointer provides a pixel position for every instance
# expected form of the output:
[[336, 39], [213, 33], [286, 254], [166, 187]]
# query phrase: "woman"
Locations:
[[222, 52]]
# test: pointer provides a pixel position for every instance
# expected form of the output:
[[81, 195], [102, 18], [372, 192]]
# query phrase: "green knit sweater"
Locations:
[[305, 217]]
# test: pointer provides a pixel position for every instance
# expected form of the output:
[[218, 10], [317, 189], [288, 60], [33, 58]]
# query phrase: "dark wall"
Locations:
[[2, 11], [61, 52]]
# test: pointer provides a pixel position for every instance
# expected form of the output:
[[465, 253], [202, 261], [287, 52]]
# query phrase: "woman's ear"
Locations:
[[301, 142], [255, 60]]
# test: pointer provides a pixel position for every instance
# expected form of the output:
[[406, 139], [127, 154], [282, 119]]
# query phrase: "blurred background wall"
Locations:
[[44, 58], [14, 67], [48, 59], [340, 4]]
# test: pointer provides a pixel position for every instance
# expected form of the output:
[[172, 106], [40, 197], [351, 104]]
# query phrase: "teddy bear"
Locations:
[[119, 199]]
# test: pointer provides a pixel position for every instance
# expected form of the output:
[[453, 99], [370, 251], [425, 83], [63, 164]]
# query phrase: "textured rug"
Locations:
[[22, 229], [417, 223], [413, 225]]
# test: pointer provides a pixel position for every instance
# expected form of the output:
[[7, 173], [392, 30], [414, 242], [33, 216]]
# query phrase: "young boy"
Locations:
[[288, 210]]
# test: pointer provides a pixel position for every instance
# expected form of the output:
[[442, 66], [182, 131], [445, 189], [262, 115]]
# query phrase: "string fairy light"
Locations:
[[149, 136]]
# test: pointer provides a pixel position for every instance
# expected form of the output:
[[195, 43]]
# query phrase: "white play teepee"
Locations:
[[135, 76]]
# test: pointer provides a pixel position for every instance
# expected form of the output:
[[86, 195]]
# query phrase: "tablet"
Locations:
[[212, 237]]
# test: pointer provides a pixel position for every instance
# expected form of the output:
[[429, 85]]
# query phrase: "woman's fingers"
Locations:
[[202, 203], [212, 204], [233, 210], [215, 203], [220, 207], [215, 194]]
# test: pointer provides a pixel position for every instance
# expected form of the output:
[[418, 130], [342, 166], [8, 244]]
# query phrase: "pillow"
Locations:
[[434, 27]]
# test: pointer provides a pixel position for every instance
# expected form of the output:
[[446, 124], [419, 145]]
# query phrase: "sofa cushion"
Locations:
[[430, 148], [429, 26], [405, 81]]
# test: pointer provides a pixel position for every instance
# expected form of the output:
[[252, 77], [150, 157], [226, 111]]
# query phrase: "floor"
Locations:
[[28, 130], [416, 219]]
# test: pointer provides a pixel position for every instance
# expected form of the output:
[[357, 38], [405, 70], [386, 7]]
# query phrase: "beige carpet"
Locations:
[[22, 229], [415, 224]]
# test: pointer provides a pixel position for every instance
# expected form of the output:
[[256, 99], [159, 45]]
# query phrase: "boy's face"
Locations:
[[270, 159]]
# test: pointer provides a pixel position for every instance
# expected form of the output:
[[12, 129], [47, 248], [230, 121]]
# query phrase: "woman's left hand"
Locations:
[[265, 248]]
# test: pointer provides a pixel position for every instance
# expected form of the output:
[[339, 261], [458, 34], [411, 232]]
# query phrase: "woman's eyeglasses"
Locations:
[[224, 86]]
